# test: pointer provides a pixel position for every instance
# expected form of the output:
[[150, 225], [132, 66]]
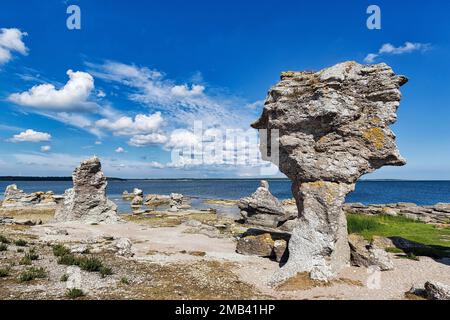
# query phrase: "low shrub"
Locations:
[[124, 280], [25, 261], [3, 239], [4, 272], [64, 278], [20, 243], [31, 254], [105, 271], [68, 260], [90, 264], [74, 293], [3, 247], [59, 250], [31, 274]]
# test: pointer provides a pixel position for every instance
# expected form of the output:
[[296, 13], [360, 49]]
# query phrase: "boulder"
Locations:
[[15, 198], [122, 247], [326, 129], [280, 250], [176, 201], [364, 254], [137, 201], [260, 245], [138, 192], [87, 201], [263, 209], [127, 196], [437, 291], [155, 200]]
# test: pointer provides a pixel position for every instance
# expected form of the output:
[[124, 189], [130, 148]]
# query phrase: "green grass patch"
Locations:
[[74, 293], [3, 247], [105, 271], [394, 250], [31, 274], [388, 226], [124, 280], [59, 250], [20, 243], [4, 272], [68, 260], [90, 264], [64, 278], [32, 254], [3, 239], [25, 261]]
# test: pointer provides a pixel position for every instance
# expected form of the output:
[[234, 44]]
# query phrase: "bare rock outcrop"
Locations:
[[263, 245], [263, 209], [437, 291], [15, 198], [87, 201], [438, 213], [333, 127], [365, 254]]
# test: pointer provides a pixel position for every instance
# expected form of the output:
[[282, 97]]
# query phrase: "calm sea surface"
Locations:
[[367, 192]]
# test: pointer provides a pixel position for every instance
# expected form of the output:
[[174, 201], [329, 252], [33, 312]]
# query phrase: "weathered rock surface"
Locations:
[[15, 198], [122, 247], [176, 201], [437, 291], [87, 200], [438, 213], [261, 245], [333, 127], [365, 254], [137, 201], [155, 200], [263, 209]]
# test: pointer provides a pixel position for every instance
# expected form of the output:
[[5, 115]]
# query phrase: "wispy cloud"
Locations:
[[184, 103], [389, 49]]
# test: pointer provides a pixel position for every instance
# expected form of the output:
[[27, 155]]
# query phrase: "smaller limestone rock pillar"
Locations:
[[87, 201]]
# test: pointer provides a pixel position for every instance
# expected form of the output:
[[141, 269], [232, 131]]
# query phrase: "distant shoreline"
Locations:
[[33, 178]]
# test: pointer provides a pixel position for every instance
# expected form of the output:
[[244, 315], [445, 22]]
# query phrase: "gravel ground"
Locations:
[[178, 263]]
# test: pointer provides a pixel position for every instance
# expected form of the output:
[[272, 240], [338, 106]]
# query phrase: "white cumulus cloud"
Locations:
[[30, 135], [73, 96], [11, 41], [120, 150], [124, 126]]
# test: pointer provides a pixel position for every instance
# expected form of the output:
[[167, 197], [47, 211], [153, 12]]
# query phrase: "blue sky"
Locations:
[[143, 72]]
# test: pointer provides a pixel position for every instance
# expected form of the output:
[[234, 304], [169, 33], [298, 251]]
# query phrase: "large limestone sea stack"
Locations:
[[333, 127], [87, 201]]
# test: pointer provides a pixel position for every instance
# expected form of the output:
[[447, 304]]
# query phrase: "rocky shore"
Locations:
[[333, 127], [438, 213]]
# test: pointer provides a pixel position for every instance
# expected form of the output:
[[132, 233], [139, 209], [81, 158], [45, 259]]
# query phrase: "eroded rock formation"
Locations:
[[87, 200], [333, 127], [263, 209], [15, 198]]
